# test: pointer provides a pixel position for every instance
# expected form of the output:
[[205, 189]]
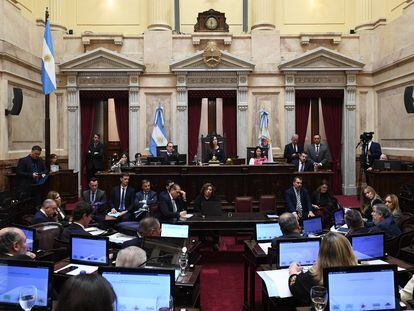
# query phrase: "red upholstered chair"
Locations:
[[267, 203], [243, 205]]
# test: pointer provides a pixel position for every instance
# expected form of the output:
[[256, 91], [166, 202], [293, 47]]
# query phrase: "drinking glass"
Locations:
[[27, 297], [319, 297]]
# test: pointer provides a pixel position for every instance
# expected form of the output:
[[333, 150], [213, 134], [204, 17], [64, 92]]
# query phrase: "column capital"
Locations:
[[159, 14], [263, 17]]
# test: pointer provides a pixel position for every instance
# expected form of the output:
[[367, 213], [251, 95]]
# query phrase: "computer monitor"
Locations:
[[15, 274], [174, 231], [339, 217], [266, 232], [141, 289], [211, 208], [368, 246], [154, 160], [305, 251], [312, 225], [89, 250], [381, 165], [30, 238], [364, 287]]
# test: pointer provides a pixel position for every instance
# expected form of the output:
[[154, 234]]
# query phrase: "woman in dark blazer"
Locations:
[[215, 150]]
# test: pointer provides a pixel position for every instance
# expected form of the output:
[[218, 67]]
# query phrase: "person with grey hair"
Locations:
[[289, 226], [47, 213], [13, 244], [148, 227], [355, 223], [384, 222], [131, 257], [293, 149]]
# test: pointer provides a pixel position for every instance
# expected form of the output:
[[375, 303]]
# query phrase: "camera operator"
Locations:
[[370, 150]]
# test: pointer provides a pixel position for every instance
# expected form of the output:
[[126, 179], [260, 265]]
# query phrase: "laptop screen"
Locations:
[[312, 225], [304, 251], [267, 232], [339, 217], [16, 276], [174, 231], [141, 289], [30, 237], [368, 246], [362, 288], [89, 250]]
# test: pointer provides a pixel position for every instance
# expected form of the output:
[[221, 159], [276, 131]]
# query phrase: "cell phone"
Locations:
[[68, 269]]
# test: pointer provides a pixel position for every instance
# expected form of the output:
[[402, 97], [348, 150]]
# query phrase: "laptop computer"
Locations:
[[174, 231], [368, 246], [21, 273], [266, 232], [211, 208], [305, 251], [363, 287], [30, 238], [312, 225], [381, 165], [339, 218], [141, 289]]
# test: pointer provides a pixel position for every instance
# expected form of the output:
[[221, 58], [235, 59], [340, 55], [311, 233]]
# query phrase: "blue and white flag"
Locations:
[[264, 135], [159, 136], [48, 62]]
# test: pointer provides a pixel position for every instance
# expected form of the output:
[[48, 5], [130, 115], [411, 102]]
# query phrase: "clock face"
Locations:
[[211, 23]]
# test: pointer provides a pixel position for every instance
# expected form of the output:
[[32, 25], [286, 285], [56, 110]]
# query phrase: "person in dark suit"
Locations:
[[148, 227], [289, 226], [13, 244], [171, 155], [95, 196], [172, 205], [303, 164], [293, 149], [303, 207], [82, 216], [384, 222], [372, 152], [318, 153], [215, 151], [29, 172], [94, 157], [143, 199], [355, 223], [122, 197], [47, 213]]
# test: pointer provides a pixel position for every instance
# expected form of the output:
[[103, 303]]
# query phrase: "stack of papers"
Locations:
[[119, 238], [114, 214], [276, 282], [265, 246], [95, 231]]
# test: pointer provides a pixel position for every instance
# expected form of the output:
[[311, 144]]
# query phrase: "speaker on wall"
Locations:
[[17, 102], [408, 99]]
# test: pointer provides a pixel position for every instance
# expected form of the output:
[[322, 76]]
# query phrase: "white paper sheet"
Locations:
[[85, 268], [119, 238], [265, 246], [276, 282], [95, 231], [380, 262]]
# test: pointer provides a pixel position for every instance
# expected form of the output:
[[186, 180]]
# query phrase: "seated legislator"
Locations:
[[122, 198], [325, 202], [171, 155], [13, 244], [355, 223], [297, 199], [54, 165], [391, 200], [131, 257], [318, 153], [293, 149], [47, 213], [54, 195], [172, 205], [335, 251], [289, 226], [215, 150], [97, 294], [94, 196], [143, 199], [384, 222], [258, 158], [370, 199], [148, 227], [206, 195], [138, 160], [123, 163], [82, 216], [303, 164]]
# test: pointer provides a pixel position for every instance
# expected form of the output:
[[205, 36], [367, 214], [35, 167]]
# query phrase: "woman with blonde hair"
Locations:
[[391, 200], [335, 250], [370, 199], [55, 196]]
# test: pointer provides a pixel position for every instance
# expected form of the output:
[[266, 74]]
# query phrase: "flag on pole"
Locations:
[[158, 136], [264, 135], [48, 62]]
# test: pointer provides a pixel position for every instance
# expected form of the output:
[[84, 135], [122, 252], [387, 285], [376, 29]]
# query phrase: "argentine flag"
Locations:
[[264, 135], [158, 137], [48, 62]]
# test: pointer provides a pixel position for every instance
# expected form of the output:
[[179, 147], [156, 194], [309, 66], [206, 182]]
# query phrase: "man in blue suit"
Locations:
[[82, 216], [384, 222], [144, 198], [172, 204], [47, 213], [372, 152], [122, 197], [292, 150], [297, 200]]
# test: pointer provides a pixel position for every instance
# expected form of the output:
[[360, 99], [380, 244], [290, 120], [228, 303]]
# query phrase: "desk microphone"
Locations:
[[51, 250], [155, 257]]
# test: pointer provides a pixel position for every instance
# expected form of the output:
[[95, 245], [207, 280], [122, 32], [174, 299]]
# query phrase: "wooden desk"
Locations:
[[385, 182], [230, 180]]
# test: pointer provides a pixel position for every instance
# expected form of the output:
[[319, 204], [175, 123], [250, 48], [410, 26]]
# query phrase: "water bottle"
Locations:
[[183, 260]]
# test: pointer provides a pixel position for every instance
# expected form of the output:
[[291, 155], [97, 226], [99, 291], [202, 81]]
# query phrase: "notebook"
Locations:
[[368, 246], [265, 232], [304, 251], [312, 225]]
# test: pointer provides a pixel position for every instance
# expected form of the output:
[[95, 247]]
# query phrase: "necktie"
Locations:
[[298, 203], [301, 166], [93, 197], [122, 205], [174, 206], [296, 148], [317, 149], [145, 197]]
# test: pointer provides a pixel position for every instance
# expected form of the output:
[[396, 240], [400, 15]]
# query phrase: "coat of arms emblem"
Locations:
[[212, 55]]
